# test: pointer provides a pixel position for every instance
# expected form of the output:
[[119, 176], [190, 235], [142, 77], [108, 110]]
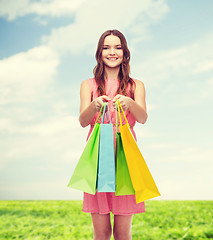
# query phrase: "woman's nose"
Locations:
[[112, 51]]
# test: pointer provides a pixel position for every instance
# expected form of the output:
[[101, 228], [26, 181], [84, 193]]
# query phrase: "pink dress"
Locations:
[[106, 202]]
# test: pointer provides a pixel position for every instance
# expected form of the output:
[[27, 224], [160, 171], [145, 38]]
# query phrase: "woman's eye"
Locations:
[[108, 47]]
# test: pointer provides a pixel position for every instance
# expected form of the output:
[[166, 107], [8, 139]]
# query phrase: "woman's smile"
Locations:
[[112, 58]]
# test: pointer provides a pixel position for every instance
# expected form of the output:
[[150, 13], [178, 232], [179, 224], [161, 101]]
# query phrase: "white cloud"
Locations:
[[207, 90], [192, 154], [170, 152], [94, 17], [55, 8], [191, 59], [204, 66], [60, 138], [143, 131], [154, 10], [49, 126], [12, 9], [56, 142], [26, 75], [48, 190], [185, 189]]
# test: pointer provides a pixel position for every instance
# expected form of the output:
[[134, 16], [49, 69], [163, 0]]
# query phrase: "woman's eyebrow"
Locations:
[[115, 45]]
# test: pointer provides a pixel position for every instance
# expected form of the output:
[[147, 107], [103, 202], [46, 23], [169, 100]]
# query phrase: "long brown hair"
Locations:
[[124, 67]]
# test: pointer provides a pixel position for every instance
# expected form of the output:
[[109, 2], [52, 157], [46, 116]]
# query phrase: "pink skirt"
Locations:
[[106, 202]]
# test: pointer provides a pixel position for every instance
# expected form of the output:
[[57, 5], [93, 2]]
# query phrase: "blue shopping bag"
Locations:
[[106, 158]]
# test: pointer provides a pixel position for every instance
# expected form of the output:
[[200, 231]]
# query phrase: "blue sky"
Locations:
[[47, 49]]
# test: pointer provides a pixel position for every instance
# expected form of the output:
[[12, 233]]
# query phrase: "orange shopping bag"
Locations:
[[142, 180]]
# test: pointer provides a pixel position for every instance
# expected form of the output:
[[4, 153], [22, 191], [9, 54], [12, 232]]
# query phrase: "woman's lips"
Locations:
[[112, 59]]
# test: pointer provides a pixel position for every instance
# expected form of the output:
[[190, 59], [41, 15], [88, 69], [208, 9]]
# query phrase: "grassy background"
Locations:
[[65, 220]]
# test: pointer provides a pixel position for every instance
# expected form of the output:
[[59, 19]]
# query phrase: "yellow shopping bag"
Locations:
[[142, 180]]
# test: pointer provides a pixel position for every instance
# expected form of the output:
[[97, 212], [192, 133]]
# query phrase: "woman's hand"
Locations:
[[137, 107], [124, 101], [88, 109], [98, 102]]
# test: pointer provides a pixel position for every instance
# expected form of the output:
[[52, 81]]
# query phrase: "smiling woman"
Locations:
[[111, 82]]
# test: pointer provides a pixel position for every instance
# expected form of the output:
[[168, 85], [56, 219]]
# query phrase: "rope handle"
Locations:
[[116, 116], [100, 113], [105, 113], [119, 107]]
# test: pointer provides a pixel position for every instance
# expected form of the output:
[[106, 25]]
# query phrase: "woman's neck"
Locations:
[[111, 73]]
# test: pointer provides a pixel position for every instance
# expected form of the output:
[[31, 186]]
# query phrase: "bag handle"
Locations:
[[109, 113], [116, 116], [100, 113], [119, 107], [108, 119]]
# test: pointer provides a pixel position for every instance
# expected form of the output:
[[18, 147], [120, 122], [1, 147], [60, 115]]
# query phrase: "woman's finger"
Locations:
[[105, 97], [117, 97]]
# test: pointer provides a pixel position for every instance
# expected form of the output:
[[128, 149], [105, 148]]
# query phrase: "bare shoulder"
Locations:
[[85, 94], [139, 94], [85, 87], [139, 85], [85, 83]]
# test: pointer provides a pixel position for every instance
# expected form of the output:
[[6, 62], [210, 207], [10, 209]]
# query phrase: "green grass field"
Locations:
[[65, 220]]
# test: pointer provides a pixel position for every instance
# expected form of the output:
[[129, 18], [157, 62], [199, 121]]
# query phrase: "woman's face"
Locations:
[[112, 53]]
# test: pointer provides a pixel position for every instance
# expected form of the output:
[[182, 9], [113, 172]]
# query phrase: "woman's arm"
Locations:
[[87, 108], [138, 106]]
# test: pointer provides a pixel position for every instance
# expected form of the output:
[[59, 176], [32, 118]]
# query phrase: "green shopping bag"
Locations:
[[123, 180], [85, 174]]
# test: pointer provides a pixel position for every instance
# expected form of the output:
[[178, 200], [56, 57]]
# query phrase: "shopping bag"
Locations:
[[106, 158], [142, 180], [123, 180], [85, 174]]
